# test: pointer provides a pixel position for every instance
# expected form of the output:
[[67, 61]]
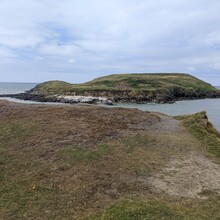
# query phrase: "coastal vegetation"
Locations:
[[199, 125], [159, 87], [137, 88], [90, 162]]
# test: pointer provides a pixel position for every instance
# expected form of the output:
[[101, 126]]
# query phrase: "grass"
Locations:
[[135, 209], [44, 176], [204, 131], [61, 162], [35, 185], [83, 155], [150, 85], [150, 209]]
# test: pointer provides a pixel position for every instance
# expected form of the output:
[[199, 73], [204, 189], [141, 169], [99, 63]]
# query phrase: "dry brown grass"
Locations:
[[68, 162]]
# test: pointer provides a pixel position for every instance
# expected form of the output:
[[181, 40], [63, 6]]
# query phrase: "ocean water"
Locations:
[[13, 88], [211, 106]]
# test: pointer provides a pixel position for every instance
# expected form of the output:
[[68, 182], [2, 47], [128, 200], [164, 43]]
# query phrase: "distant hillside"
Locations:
[[158, 87]]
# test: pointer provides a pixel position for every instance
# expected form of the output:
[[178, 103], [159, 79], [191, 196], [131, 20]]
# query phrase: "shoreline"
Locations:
[[80, 99], [181, 107]]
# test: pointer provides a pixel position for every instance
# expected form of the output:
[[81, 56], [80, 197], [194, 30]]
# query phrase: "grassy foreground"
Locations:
[[80, 162]]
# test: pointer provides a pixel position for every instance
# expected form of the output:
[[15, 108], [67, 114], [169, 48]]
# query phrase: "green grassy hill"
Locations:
[[146, 87], [147, 81]]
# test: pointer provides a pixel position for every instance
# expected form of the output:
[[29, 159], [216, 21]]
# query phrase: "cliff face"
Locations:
[[158, 96]]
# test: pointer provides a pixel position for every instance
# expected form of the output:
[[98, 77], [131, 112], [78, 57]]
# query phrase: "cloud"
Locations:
[[79, 40], [6, 53], [58, 50]]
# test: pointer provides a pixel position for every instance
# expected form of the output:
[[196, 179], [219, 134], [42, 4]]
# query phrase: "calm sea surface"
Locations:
[[212, 106], [13, 88]]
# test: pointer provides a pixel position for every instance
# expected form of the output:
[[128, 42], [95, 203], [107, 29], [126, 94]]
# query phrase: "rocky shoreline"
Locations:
[[60, 99], [89, 99], [122, 88]]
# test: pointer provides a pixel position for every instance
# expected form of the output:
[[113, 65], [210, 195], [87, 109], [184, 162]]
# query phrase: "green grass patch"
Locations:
[[137, 209], [204, 131], [177, 84], [137, 141], [15, 132], [75, 155]]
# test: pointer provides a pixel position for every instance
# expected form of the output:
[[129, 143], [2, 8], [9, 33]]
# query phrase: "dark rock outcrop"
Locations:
[[109, 97]]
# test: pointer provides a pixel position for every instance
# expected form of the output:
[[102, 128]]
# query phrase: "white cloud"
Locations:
[[104, 36]]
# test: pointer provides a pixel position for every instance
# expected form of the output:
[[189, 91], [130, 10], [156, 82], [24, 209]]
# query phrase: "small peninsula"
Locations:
[[136, 88]]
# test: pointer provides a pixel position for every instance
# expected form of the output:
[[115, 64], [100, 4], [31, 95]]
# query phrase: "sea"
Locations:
[[211, 106], [13, 88]]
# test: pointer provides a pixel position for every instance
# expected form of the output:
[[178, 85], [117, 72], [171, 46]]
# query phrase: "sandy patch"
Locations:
[[189, 178]]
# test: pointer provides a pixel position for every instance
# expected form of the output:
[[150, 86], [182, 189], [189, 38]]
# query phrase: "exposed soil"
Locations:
[[189, 174], [191, 177]]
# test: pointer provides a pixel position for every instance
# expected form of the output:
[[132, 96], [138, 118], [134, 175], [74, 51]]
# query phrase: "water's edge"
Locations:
[[211, 106]]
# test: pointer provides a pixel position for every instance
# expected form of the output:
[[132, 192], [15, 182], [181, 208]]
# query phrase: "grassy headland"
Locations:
[[86, 162], [135, 87]]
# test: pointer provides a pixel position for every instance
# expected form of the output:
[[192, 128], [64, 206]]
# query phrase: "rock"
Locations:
[[60, 99]]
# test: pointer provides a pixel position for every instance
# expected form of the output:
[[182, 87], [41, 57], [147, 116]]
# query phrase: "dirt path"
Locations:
[[192, 177], [188, 175]]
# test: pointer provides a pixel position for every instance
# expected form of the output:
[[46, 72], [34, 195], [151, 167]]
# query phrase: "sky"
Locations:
[[79, 40]]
